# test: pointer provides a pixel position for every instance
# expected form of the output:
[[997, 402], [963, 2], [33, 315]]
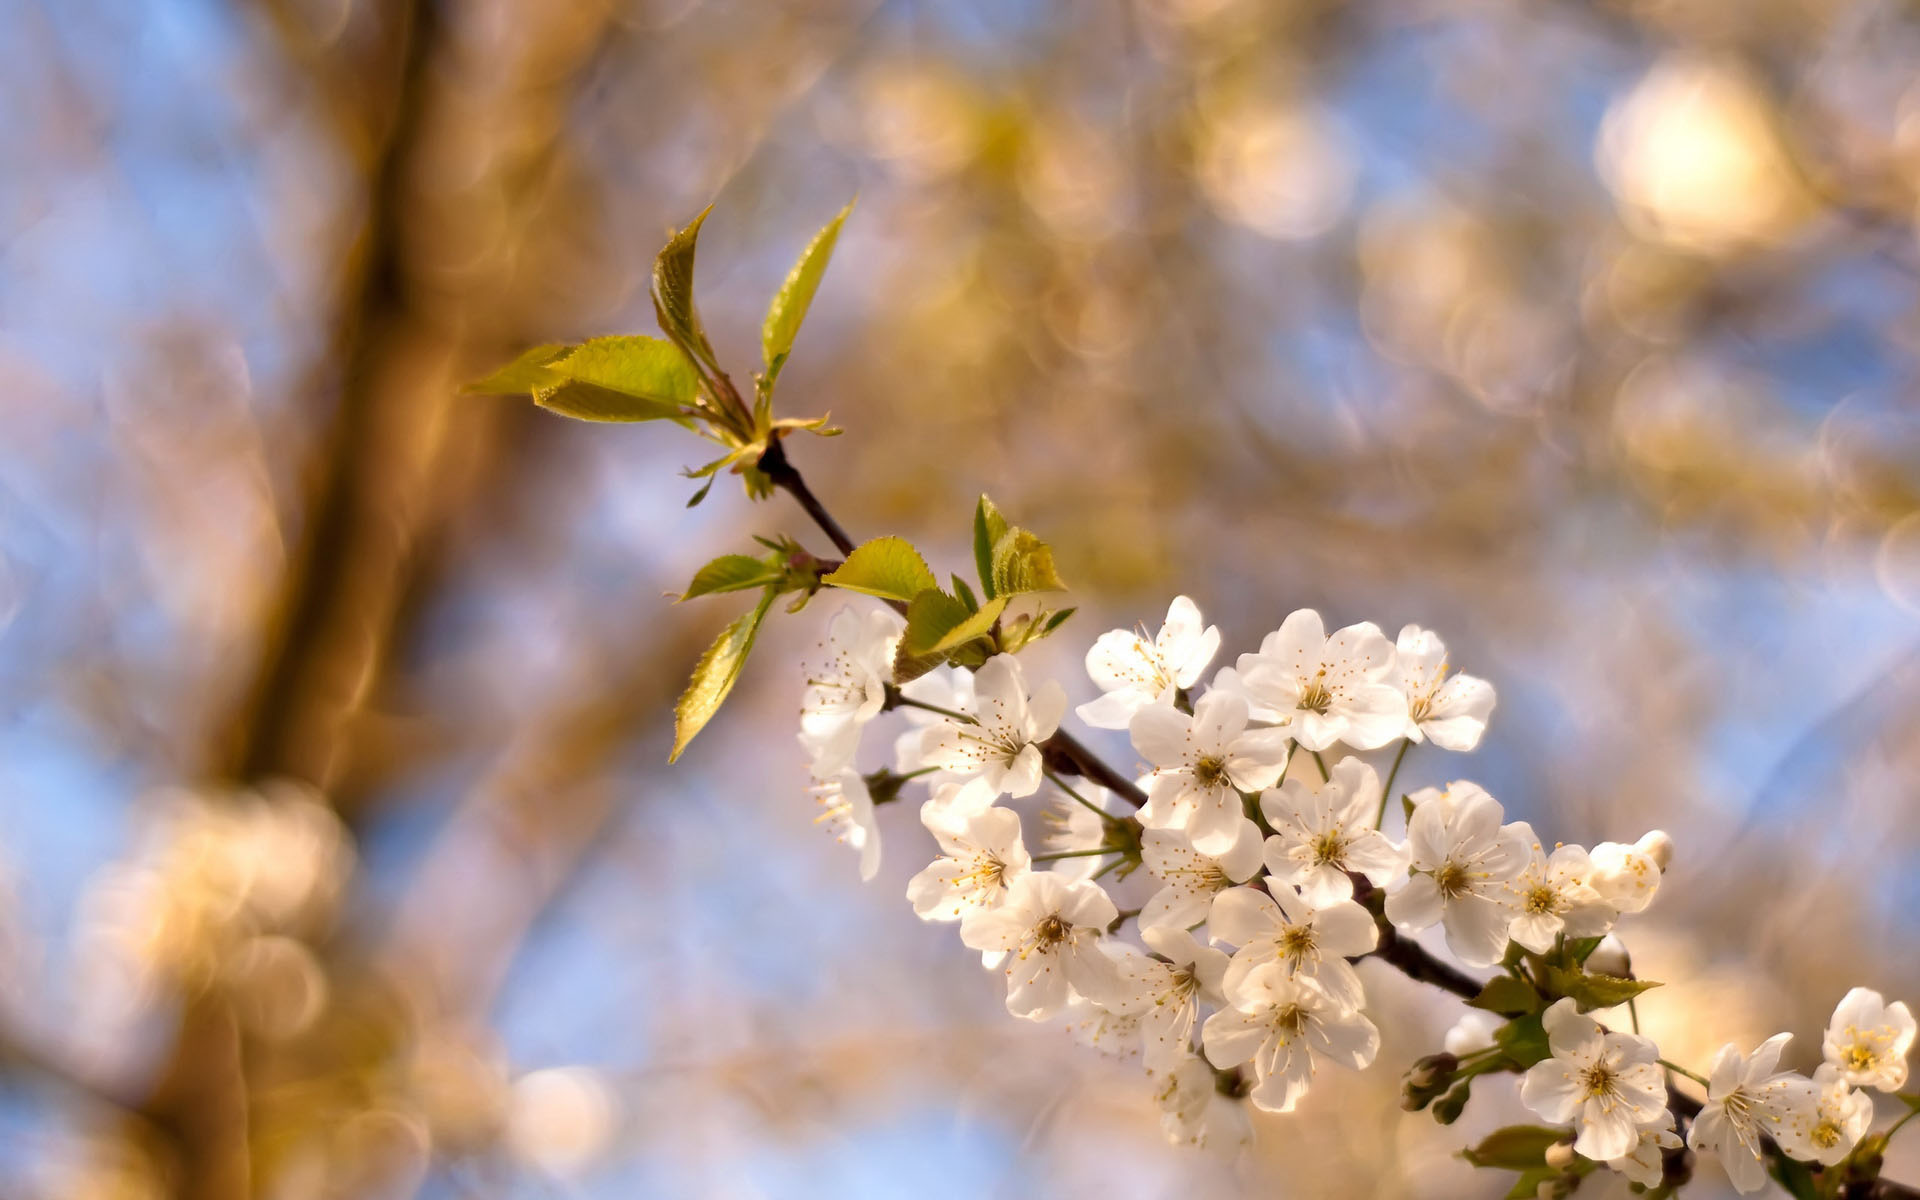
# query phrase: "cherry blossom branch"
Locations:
[[1064, 752]]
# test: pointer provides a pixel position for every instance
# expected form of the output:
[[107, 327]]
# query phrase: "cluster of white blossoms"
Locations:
[[1818, 1119], [1261, 818]]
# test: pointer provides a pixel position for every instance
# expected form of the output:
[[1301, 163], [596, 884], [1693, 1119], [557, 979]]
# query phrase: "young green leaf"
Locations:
[[524, 374], [988, 526], [965, 593], [673, 303], [1594, 991], [714, 675], [930, 614], [1507, 996], [937, 625], [790, 303], [731, 573], [1023, 563], [1524, 1040], [887, 567], [1057, 620], [977, 624], [1516, 1147], [621, 379], [1580, 949]]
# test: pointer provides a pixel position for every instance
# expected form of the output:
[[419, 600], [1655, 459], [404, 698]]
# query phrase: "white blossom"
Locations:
[[1627, 877], [1551, 896], [1113, 1031], [1304, 940], [1322, 689], [1823, 1118], [1869, 1039], [1002, 743], [1201, 765], [1608, 1084], [945, 687], [980, 855], [848, 689], [1133, 672], [1167, 994], [1321, 834], [1473, 1031], [1746, 1098], [1193, 1111], [1451, 711], [846, 810], [1191, 879], [1463, 858], [1051, 929], [1283, 1023], [1645, 1164]]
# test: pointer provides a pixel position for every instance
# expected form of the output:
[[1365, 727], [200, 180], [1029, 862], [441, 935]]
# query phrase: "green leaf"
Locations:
[[977, 624], [673, 303], [714, 674], [1023, 563], [1527, 1187], [1057, 620], [524, 374], [965, 593], [790, 303], [731, 573], [887, 567], [1524, 1040], [621, 379], [936, 625], [1581, 949], [988, 527], [1515, 1148], [929, 616], [1507, 996], [1594, 991]]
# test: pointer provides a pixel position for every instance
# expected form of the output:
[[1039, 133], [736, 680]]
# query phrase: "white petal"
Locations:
[[1163, 735], [1416, 905]]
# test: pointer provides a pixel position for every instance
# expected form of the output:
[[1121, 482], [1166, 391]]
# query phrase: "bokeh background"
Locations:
[[340, 854]]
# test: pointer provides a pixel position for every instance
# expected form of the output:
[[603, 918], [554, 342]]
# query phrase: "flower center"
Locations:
[[1452, 879], [1541, 899], [1051, 932], [1825, 1135], [1297, 942], [1329, 850], [1291, 1019], [1315, 697], [1210, 770], [1597, 1080], [1859, 1057]]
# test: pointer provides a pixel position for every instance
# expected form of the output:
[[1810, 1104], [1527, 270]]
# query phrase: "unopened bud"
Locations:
[[1658, 846], [1559, 1156], [1610, 958], [1447, 1109], [1433, 1070]]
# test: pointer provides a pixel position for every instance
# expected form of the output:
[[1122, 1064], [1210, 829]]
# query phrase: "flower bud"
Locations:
[[1435, 1070], [1559, 1156], [1610, 958], [1658, 846], [1447, 1109]]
